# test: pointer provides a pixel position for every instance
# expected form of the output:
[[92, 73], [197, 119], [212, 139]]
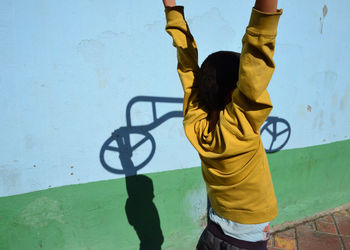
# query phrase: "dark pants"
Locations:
[[213, 238]]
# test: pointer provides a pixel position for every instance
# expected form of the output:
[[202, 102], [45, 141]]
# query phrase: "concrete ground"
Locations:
[[325, 231]]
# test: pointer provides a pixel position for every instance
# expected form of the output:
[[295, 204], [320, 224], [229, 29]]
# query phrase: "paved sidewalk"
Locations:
[[327, 232]]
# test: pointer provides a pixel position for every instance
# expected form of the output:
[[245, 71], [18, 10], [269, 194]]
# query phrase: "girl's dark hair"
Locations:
[[218, 76]]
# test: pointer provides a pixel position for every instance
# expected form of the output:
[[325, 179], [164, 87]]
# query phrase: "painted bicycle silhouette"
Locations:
[[119, 142]]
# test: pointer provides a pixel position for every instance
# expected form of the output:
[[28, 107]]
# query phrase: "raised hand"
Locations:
[[267, 6], [169, 3]]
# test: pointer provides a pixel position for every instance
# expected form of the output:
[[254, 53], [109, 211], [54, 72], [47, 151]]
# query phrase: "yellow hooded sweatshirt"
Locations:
[[234, 163]]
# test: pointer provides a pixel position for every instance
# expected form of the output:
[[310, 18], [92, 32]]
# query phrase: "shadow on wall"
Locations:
[[146, 220], [140, 187], [275, 133], [120, 141], [140, 190]]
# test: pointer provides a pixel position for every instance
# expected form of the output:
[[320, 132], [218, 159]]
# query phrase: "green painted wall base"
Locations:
[[93, 215], [311, 180], [99, 215]]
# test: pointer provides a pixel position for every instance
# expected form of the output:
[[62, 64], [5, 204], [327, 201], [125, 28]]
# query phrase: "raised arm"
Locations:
[[257, 65], [187, 54]]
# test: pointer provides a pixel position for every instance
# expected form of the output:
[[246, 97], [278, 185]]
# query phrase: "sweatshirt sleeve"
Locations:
[[256, 68], [187, 55]]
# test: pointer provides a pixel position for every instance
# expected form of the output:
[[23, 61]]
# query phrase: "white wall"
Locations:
[[69, 68]]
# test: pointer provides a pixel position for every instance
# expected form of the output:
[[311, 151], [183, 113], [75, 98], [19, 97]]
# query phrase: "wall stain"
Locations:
[[309, 108], [333, 119], [9, 178], [320, 124], [318, 121], [345, 100], [325, 80], [324, 13], [197, 201], [102, 74], [334, 100], [40, 212]]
